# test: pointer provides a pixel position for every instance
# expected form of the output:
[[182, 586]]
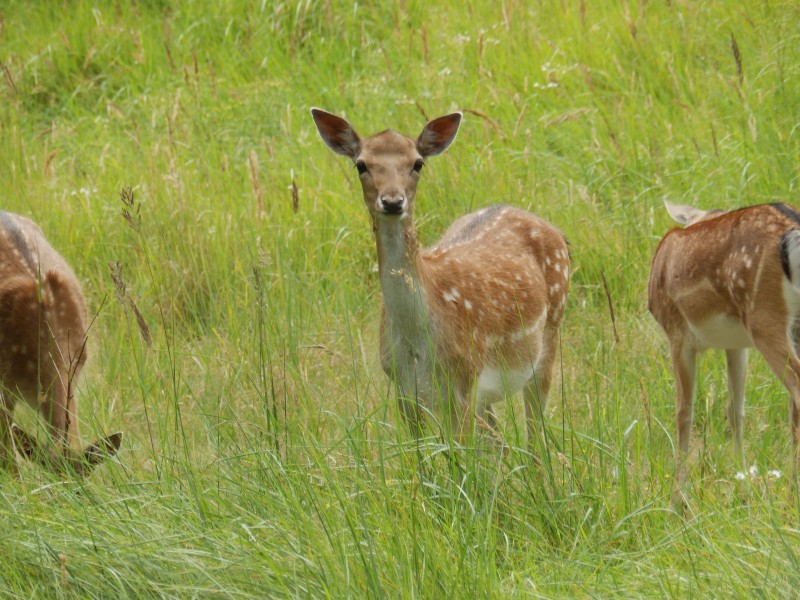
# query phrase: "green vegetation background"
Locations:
[[167, 151]]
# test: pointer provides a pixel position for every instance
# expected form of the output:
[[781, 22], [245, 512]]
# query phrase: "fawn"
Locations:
[[42, 348], [729, 280], [473, 319]]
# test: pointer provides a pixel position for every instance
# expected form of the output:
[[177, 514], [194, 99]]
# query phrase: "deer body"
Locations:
[[42, 339], [474, 318], [730, 281]]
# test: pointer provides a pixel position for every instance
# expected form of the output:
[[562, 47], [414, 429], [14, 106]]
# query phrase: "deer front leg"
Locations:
[[481, 414], [57, 409], [683, 364], [408, 398], [411, 413], [737, 370]]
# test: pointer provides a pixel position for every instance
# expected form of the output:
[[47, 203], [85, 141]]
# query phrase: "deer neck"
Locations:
[[399, 269]]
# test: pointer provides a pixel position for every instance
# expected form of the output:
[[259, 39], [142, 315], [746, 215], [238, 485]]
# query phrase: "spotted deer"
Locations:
[[729, 280], [42, 349], [473, 319]]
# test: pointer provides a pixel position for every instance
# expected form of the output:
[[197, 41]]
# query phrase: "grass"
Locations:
[[263, 453]]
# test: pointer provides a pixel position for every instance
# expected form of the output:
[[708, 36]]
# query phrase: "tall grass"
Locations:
[[264, 455]]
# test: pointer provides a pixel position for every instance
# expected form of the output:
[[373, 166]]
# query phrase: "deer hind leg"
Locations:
[[536, 391], [784, 362], [683, 364], [737, 371]]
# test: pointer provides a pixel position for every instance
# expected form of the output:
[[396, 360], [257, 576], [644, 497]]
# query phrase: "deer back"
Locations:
[[727, 266]]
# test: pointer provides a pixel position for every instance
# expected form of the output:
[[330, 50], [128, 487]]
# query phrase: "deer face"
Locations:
[[389, 167], [388, 163]]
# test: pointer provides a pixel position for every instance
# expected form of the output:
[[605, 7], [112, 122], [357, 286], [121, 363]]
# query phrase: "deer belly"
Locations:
[[721, 331], [495, 384]]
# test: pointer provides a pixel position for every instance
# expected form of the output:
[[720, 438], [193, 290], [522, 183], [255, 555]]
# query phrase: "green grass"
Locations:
[[264, 455]]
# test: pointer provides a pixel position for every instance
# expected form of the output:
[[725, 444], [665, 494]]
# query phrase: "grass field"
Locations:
[[167, 150]]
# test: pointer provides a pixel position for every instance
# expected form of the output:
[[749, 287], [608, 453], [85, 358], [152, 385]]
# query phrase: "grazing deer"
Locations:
[[729, 280], [42, 348], [474, 318]]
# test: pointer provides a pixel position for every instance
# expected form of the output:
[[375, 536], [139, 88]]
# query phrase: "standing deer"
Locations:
[[473, 319], [42, 348], [729, 280]]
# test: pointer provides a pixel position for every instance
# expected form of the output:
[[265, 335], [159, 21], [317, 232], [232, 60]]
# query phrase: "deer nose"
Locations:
[[392, 205]]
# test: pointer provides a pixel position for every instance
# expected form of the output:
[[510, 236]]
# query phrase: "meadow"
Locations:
[[167, 151]]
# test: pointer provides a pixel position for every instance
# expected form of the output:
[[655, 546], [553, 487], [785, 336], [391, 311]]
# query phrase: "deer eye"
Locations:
[[418, 165], [361, 166]]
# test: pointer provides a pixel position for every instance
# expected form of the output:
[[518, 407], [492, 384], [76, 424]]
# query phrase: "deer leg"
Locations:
[[537, 390], [411, 414], [408, 400], [485, 420], [784, 362], [683, 364], [7, 462], [737, 370], [55, 411], [535, 401], [490, 417]]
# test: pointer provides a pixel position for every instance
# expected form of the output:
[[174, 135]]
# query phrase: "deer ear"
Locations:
[[337, 133], [438, 134], [102, 449], [685, 215]]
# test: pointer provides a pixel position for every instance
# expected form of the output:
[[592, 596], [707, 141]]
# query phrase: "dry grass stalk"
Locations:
[[252, 160]]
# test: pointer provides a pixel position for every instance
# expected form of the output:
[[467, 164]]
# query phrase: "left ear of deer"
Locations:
[[730, 281]]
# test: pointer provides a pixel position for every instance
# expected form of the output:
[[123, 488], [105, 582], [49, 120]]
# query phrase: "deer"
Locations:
[[43, 325], [729, 280], [473, 319]]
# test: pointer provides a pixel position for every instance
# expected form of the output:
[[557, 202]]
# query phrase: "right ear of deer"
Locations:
[[337, 133]]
